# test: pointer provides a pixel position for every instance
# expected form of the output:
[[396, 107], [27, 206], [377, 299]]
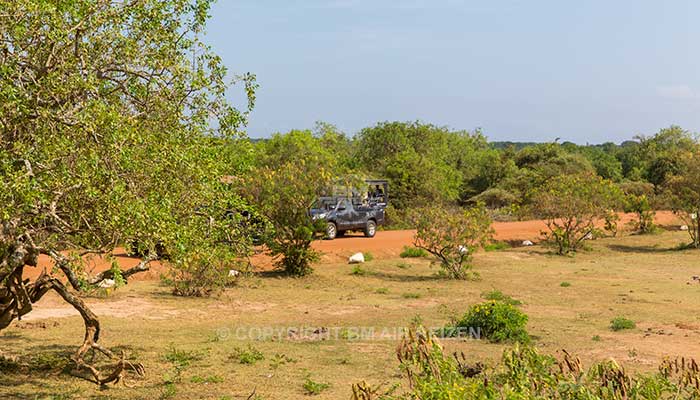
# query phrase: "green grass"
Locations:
[[413, 252], [381, 290], [496, 246], [313, 388], [358, 271], [622, 323], [249, 355], [368, 256], [497, 295], [565, 284], [411, 295]]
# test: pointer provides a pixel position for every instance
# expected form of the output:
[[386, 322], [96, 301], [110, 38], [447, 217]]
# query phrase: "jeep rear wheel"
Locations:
[[370, 229], [331, 231]]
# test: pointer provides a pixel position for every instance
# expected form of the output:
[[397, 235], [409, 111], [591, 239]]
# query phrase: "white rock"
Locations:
[[684, 227], [527, 243], [588, 237], [463, 249], [233, 273], [357, 258], [106, 284]]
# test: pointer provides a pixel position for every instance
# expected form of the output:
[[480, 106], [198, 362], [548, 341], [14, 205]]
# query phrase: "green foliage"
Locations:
[[638, 197], [411, 295], [496, 321], [357, 270], [249, 355], [683, 190], [451, 236], [382, 290], [565, 284], [413, 252], [622, 323], [124, 133], [313, 388], [497, 295], [293, 172], [524, 373], [496, 246], [368, 256], [570, 204]]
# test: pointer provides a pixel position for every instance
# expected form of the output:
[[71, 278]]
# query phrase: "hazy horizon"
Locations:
[[520, 71]]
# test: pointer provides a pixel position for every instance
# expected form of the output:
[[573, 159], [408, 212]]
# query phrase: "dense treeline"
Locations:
[[428, 164]]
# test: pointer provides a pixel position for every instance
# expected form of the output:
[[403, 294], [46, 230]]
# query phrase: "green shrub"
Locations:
[[381, 290], [452, 236], [496, 246], [411, 295], [368, 256], [494, 320], [525, 374], [565, 284], [251, 355], [497, 295], [413, 252], [312, 387], [358, 271], [622, 323]]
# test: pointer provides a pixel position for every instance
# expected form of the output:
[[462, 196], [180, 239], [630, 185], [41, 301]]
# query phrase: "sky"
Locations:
[[589, 71]]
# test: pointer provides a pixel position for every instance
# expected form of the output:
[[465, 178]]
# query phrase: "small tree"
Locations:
[[570, 204], [284, 196], [452, 236], [683, 189], [638, 200]]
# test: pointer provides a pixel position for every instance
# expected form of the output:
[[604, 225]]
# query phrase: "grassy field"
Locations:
[[195, 348]]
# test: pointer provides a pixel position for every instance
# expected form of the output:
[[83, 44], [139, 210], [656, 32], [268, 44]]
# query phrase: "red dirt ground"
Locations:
[[384, 245]]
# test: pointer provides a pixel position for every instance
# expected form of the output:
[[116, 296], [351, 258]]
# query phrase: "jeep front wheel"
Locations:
[[331, 231], [370, 229]]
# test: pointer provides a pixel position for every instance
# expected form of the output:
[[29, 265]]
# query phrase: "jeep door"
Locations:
[[345, 215]]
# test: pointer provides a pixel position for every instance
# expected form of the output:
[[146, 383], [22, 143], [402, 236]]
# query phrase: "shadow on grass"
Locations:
[[405, 278], [643, 249]]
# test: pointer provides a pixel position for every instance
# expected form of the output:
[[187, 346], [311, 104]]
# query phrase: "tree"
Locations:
[[106, 130], [452, 236], [294, 170], [684, 192], [415, 158], [570, 204]]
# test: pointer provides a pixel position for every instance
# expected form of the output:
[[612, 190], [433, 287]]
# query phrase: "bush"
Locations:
[[251, 355], [497, 321], [622, 323], [496, 246], [451, 236], [312, 387], [565, 284], [358, 271], [525, 374], [411, 295], [637, 200], [570, 204], [413, 252], [497, 295]]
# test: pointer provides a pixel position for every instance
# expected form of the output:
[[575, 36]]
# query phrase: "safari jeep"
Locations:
[[358, 212]]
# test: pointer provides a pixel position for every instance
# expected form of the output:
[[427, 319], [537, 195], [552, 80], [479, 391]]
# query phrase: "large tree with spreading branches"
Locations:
[[113, 123]]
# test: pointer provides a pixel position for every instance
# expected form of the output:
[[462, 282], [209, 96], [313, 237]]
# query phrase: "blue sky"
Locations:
[[587, 71]]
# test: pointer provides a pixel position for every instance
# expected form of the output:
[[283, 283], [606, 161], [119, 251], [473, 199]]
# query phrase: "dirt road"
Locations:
[[384, 244]]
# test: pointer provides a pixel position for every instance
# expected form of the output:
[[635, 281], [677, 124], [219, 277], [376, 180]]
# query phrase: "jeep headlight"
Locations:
[[320, 216]]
